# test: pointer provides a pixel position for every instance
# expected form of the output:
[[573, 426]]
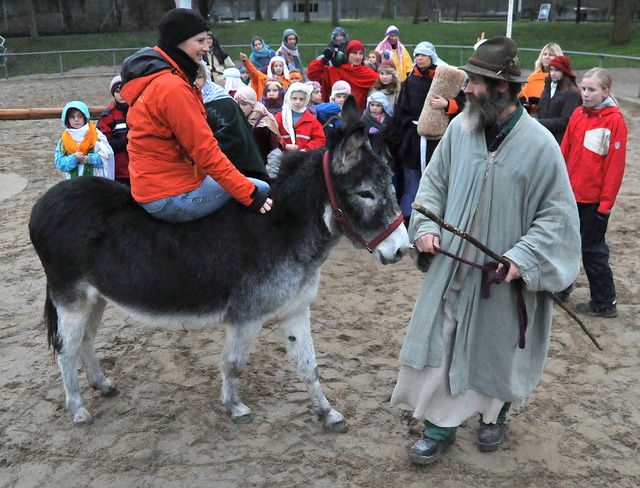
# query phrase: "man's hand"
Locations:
[[512, 274], [427, 243]]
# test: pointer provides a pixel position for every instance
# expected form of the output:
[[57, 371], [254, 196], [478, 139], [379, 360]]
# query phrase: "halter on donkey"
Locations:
[[233, 266]]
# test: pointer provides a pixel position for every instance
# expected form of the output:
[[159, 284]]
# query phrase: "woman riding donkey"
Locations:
[[178, 171]]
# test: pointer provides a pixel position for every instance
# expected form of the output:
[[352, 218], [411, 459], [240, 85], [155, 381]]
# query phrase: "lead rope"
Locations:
[[496, 278]]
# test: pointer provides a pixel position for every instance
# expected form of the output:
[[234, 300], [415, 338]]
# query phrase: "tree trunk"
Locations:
[[457, 10], [33, 24], [257, 11], [307, 13], [417, 12], [386, 10], [622, 10], [335, 15], [67, 17], [578, 7]]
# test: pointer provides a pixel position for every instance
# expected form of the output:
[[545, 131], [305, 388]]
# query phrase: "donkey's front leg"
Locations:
[[237, 345], [296, 334]]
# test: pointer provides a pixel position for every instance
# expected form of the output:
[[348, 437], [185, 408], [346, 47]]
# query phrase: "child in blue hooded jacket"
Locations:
[[82, 149]]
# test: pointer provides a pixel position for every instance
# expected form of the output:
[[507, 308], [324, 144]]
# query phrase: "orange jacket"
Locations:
[[258, 78], [532, 90], [171, 146]]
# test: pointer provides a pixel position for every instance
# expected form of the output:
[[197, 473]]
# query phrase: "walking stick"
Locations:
[[472, 240]]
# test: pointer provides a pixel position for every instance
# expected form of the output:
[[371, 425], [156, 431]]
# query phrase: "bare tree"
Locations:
[[622, 10], [335, 15], [204, 7], [386, 10], [33, 24], [307, 13], [65, 11]]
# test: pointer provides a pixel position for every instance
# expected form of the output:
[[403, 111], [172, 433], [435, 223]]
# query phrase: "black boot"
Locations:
[[428, 450], [490, 436]]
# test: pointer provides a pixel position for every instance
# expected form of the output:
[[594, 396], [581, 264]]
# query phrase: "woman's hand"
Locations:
[[266, 206], [438, 102]]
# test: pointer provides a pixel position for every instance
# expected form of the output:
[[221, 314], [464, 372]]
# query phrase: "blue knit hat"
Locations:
[[381, 98]]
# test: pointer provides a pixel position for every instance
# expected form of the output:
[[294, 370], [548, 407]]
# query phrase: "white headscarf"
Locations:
[[285, 71], [287, 117], [232, 80]]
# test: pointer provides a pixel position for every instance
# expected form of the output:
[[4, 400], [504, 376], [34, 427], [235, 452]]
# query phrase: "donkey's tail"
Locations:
[[51, 321]]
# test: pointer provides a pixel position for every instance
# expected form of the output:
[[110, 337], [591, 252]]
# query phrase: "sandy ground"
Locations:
[[581, 426]]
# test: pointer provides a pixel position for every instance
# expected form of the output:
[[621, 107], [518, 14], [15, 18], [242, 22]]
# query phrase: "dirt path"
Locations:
[[581, 427]]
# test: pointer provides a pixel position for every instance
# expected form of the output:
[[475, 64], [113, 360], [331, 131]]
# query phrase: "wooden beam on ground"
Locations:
[[41, 113]]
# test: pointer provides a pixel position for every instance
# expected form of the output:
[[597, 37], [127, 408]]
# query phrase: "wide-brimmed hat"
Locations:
[[496, 58]]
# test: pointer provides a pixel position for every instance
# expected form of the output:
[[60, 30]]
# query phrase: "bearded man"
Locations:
[[499, 176]]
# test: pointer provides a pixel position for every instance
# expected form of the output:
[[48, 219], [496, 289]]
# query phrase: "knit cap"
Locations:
[[426, 49], [340, 86], [388, 66], [246, 94], [179, 24], [392, 29], [353, 47], [381, 98], [313, 84], [116, 84], [563, 64]]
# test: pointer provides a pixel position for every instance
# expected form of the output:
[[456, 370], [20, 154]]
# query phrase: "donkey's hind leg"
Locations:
[[296, 334], [95, 377], [237, 345], [72, 328]]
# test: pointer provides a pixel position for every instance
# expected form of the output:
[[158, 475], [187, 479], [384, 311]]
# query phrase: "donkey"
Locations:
[[96, 244]]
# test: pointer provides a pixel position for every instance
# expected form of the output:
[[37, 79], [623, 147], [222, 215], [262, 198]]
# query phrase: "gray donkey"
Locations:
[[233, 267]]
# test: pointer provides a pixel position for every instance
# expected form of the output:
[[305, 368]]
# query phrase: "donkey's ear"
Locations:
[[350, 114]]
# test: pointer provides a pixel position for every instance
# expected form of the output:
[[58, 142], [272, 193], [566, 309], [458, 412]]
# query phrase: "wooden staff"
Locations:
[[472, 240], [41, 113]]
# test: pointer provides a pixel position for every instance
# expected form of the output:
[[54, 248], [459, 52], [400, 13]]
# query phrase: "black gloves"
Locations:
[[259, 197], [328, 54]]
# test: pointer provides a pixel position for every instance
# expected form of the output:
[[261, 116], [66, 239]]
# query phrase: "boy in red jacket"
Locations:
[[113, 124]]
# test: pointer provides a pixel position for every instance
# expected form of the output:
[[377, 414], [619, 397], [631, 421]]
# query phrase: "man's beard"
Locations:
[[481, 113]]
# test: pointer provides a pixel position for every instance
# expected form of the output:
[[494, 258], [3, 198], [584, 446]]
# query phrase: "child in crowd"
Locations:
[[277, 68], [263, 124], [83, 149], [289, 50], [373, 60], [244, 76], [217, 60], [376, 117], [594, 147], [300, 131], [295, 75], [232, 80], [316, 96], [329, 113], [113, 124], [388, 81], [560, 97], [273, 96], [261, 54]]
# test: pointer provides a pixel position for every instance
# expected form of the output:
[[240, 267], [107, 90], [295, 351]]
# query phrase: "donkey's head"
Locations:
[[364, 203]]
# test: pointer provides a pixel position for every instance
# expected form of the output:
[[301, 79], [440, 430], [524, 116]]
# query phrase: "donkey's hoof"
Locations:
[[335, 422], [82, 417], [110, 392], [244, 418]]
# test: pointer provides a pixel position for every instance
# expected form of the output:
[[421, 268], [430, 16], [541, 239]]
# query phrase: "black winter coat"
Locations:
[[554, 113]]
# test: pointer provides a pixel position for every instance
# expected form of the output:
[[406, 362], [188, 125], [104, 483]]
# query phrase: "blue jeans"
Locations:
[[595, 255], [194, 204]]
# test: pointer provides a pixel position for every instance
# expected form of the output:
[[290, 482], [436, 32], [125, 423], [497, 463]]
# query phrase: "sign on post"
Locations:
[[545, 11]]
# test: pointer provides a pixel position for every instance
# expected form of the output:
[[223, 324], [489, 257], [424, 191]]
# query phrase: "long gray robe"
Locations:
[[529, 216]]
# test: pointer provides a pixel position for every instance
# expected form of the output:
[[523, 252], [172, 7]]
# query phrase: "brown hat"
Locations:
[[496, 58], [563, 64]]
